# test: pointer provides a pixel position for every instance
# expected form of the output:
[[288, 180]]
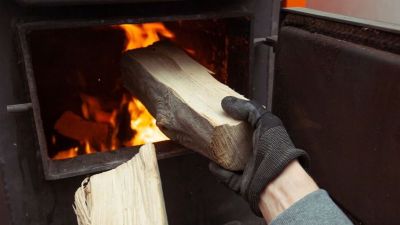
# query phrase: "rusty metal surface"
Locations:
[[341, 103]]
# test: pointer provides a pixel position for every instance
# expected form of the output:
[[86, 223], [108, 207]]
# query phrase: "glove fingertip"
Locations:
[[227, 102], [235, 107]]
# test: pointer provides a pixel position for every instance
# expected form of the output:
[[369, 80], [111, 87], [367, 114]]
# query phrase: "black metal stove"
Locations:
[[38, 189], [336, 88]]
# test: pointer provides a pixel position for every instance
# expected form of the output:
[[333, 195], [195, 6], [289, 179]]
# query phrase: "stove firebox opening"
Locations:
[[84, 107]]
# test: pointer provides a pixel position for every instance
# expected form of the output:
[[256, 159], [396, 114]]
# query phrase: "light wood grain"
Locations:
[[130, 194], [186, 101]]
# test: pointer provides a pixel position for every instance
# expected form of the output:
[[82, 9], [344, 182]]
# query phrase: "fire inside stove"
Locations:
[[101, 124], [84, 106]]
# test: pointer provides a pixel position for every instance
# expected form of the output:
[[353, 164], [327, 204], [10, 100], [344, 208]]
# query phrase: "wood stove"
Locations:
[[62, 64], [321, 89], [79, 102]]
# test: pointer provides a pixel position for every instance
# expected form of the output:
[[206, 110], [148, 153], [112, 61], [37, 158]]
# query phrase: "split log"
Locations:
[[130, 194], [75, 127], [186, 102]]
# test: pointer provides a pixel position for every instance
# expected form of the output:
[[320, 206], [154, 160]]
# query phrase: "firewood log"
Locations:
[[186, 101], [130, 194], [75, 127]]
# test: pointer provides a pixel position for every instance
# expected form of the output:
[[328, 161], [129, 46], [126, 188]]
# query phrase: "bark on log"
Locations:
[[130, 194], [186, 102]]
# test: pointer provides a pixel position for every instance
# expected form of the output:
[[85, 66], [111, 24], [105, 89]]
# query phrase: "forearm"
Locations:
[[290, 186], [273, 181], [294, 198]]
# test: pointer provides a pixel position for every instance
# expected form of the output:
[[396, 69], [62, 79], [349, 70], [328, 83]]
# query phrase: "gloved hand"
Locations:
[[272, 151]]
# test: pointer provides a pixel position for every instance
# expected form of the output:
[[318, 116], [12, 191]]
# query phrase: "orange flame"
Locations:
[[143, 35], [140, 36], [142, 123], [65, 154]]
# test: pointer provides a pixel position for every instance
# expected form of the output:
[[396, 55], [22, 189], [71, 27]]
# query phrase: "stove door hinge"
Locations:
[[268, 41], [271, 41]]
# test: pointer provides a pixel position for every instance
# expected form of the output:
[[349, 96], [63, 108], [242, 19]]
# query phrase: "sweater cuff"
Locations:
[[316, 208]]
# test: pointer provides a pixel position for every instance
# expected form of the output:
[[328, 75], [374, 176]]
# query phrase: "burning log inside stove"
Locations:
[[105, 123], [98, 130], [186, 101], [73, 126]]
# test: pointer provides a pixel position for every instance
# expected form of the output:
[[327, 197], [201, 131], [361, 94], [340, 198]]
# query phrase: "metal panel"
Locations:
[[86, 2], [341, 103]]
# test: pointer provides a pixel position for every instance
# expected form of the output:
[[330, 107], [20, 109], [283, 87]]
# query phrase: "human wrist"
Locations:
[[291, 185]]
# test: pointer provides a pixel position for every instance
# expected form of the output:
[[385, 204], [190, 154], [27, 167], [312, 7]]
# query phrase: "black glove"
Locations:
[[272, 151]]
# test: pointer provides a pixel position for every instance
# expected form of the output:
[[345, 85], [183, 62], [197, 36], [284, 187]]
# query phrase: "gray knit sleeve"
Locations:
[[316, 208]]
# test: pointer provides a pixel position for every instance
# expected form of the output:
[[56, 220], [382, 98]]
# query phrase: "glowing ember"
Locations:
[[142, 125], [65, 154]]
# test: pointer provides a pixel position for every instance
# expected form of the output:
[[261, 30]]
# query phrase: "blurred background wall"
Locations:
[[378, 10]]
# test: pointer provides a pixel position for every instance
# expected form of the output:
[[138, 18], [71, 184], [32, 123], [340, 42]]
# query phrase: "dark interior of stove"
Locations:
[[84, 106]]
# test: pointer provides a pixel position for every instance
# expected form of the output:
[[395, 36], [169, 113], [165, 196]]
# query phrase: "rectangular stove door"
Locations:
[[337, 90]]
